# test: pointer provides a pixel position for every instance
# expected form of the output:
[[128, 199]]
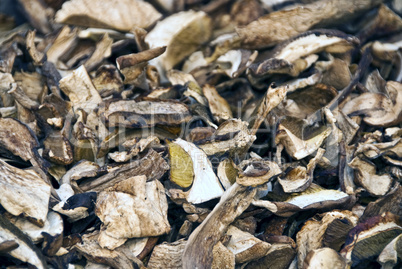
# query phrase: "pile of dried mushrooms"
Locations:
[[201, 134]]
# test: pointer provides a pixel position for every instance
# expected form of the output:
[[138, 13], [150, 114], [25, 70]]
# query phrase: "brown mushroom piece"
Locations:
[[314, 197], [131, 208], [327, 230], [255, 172], [26, 251], [368, 239], [168, 255], [107, 14]]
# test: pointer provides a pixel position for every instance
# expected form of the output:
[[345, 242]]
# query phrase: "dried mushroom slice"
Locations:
[[168, 255], [328, 230], [53, 226], [254, 172], [110, 14], [315, 197], [279, 256], [80, 90], [299, 178], [324, 258], [368, 239], [134, 148], [182, 33], [190, 166], [19, 139], [103, 50], [129, 113], [133, 65], [290, 135], [25, 251], [378, 109], [132, 208], [284, 24], [64, 43], [222, 257], [245, 246], [218, 106], [24, 192], [117, 258], [152, 165], [232, 137], [234, 201], [366, 176], [391, 253], [227, 173], [107, 80], [58, 149]]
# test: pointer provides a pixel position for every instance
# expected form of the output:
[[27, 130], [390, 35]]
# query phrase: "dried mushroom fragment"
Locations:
[[129, 113], [80, 90], [254, 172], [117, 258], [133, 65], [190, 166], [245, 246], [24, 192], [219, 107], [182, 33], [132, 208], [234, 201], [152, 165], [52, 226], [77, 206], [222, 257], [58, 149], [227, 173], [26, 251], [377, 109], [368, 239], [284, 24], [134, 147], [64, 43], [366, 176], [168, 255], [279, 256], [299, 178], [107, 80], [315, 197], [231, 137], [391, 253], [325, 231], [324, 258], [17, 138], [290, 135], [102, 51], [110, 14]]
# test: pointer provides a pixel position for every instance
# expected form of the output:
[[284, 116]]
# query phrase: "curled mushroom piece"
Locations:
[[324, 257]]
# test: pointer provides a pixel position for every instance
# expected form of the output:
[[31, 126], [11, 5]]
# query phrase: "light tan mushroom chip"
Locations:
[[132, 208], [168, 255], [324, 258], [219, 107], [391, 253], [245, 246], [119, 15], [222, 257], [255, 172], [24, 192], [182, 33]]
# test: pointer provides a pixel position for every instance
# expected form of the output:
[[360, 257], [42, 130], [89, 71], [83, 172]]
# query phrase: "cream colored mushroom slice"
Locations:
[[328, 230], [103, 50], [391, 253], [197, 252], [245, 246], [80, 90], [64, 42], [227, 173], [121, 257], [182, 33], [377, 109], [135, 147], [218, 106], [300, 83], [52, 226], [25, 251], [168, 255], [24, 192], [290, 135], [119, 15], [324, 258], [314, 197], [366, 176], [369, 238], [232, 136], [132, 208], [196, 170], [222, 257], [255, 172], [299, 178], [235, 62]]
